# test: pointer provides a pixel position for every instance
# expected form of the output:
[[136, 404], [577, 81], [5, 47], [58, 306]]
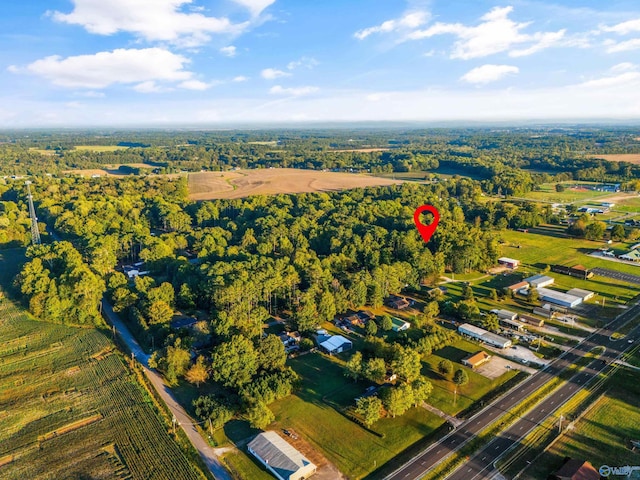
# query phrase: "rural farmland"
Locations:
[[71, 408], [244, 183]]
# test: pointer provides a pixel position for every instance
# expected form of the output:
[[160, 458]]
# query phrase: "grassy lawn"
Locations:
[[315, 414], [442, 396], [547, 193], [602, 436]]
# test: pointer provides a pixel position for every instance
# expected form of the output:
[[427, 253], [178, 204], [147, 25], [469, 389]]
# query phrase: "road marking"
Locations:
[[484, 457], [497, 447], [521, 428]]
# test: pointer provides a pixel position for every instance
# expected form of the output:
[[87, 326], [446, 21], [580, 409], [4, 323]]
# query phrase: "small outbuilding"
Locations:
[[632, 256], [398, 325], [336, 344], [280, 458], [476, 359], [538, 281], [511, 263], [574, 469], [505, 314], [517, 286]]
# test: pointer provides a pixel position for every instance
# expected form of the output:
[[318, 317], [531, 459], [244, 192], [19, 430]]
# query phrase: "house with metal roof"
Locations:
[[280, 457]]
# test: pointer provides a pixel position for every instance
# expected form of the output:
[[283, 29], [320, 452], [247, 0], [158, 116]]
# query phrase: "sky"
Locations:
[[69, 63]]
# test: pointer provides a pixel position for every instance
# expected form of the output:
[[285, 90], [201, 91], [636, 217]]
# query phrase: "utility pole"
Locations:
[[560, 424], [35, 232], [174, 420]]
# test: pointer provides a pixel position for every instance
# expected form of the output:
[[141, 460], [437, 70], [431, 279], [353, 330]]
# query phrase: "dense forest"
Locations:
[[304, 258], [509, 161]]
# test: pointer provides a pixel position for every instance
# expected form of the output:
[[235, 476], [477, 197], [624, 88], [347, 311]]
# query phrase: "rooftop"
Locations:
[[278, 454]]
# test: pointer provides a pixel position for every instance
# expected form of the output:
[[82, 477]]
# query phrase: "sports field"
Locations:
[[71, 408], [244, 183]]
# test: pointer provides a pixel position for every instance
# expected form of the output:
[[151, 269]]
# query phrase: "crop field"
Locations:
[[619, 157], [603, 435], [70, 408], [244, 183], [109, 170], [99, 148]]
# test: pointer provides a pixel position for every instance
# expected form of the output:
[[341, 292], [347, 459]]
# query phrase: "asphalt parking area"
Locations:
[[625, 277], [496, 366]]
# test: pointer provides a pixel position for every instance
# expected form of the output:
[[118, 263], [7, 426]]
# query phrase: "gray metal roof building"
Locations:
[[280, 458]]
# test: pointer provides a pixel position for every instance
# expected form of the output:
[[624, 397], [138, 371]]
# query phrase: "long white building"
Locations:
[[484, 336]]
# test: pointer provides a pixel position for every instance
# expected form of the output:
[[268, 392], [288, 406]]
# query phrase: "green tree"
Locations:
[[387, 323], [467, 292], [233, 363], [595, 230], [208, 407], [375, 369], [271, 353], [371, 327], [397, 400], [407, 364], [159, 313], [618, 232], [327, 307], [422, 388], [460, 377], [431, 310], [533, 296], [493, 295], [354, 367], [370, 408], [445, 367], [490, 322], [259, 416]]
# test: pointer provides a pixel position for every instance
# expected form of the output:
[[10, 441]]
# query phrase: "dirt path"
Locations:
[[187, 423]]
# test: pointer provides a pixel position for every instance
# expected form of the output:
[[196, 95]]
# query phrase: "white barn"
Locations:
[[280, 458]]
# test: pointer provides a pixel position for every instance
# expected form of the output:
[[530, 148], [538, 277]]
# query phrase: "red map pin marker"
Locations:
[[426, 231]]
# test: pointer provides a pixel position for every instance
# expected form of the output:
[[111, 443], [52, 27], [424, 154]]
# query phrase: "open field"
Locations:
[[547, 193], [243, 183], [109, 170], [363, 150], [70, 408], [99, 148], [619, 157], [603, 435]]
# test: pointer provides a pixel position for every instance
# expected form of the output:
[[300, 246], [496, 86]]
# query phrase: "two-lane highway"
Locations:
[[483, 460]]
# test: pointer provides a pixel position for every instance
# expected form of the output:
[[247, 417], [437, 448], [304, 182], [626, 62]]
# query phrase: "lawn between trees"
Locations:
[[319, 412]]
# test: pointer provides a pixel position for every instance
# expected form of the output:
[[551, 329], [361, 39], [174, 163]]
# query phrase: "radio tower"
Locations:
[[35, 233]]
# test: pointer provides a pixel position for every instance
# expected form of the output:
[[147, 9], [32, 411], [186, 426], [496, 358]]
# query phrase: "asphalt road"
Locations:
[[480, 465], [183, 419]]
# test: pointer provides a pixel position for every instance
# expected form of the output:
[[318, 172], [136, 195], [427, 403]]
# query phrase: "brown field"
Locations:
[[108, 171], [244, 183], [620, 157]]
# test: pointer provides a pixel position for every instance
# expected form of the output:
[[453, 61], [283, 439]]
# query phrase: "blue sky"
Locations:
[[201, 62]]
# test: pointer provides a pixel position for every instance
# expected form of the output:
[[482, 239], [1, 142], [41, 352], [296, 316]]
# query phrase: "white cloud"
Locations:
[[229, 51], [149, 87], [625, 46], [495, 33], [624, 67], [121, 66], [623, 79], [488, 73], [240, 78], [152, 20], [255, 6], [303, 62], [408, 21], [294, 92], [273, 73], [195, 85], [623, 28]]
